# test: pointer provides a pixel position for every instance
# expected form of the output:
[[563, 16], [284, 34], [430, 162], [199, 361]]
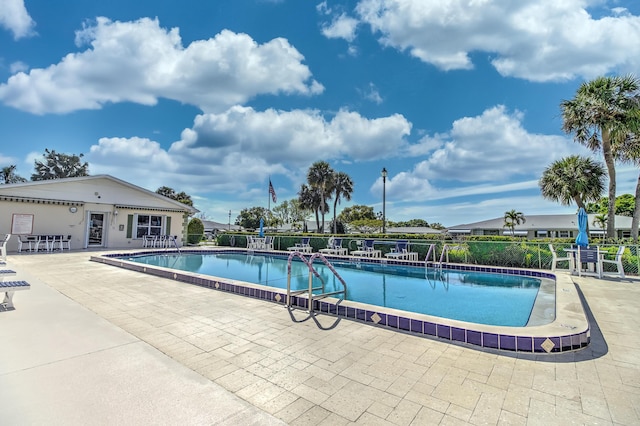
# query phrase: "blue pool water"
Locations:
[[478, 297]]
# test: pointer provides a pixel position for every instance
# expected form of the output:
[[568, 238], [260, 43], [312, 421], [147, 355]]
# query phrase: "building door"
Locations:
[[96, 229]]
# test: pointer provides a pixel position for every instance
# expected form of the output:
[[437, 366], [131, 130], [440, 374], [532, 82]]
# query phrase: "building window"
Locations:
[[491, 232], [542, 234], [565, 234], [149, 225]]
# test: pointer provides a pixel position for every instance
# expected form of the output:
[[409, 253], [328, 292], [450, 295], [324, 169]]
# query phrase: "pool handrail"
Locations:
[[312, 272]]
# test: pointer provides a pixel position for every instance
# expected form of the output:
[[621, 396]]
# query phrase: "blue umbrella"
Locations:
[[582, 239], [261, 233]]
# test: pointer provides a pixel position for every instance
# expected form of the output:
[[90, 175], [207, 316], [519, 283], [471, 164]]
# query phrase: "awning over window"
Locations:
[[460, 231], [17, 199], [154, 209]]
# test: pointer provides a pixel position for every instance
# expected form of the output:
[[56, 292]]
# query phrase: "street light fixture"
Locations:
[[229, 220], [384, 200]]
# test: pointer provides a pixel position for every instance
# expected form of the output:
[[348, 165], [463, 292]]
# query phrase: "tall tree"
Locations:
[[320, 178], [310, 200], [600, 116], [9, 175], [573, 179], [57, 166], [356, 212], [600, 220], [342, 188], [250, 218], [182, 197], [630, 152], [513, 218]]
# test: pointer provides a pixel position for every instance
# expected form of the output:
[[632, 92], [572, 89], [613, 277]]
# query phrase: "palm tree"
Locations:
[[310, 200], [599, 116], [319, 177], [513, 218], [573, 179], [629, 152], [8, 175], [601, 221], [342, 187]]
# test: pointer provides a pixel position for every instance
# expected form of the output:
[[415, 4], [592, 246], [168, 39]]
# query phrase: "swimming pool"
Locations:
[[483, 298], [558, 298]]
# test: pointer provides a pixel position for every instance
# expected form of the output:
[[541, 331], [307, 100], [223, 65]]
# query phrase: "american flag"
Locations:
[[272, 192]]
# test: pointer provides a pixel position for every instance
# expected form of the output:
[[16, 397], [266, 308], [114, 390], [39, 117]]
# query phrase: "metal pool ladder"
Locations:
[[312, 272]]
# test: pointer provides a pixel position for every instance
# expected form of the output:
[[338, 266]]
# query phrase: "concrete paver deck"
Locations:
[[129, 348]]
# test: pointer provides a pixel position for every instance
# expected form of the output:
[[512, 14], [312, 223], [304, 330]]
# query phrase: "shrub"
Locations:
[[195, 231]]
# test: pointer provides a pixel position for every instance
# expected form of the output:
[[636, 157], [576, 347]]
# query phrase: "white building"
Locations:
[[91, 211], [541, 226]]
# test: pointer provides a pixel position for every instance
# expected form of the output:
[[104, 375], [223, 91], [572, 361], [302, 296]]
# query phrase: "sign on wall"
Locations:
[[21, 224]]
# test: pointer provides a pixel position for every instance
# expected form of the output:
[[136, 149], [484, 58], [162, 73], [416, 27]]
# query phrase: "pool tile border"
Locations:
[[538, 344]]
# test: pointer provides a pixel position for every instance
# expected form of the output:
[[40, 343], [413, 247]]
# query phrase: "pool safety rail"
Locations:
[[313, 273]]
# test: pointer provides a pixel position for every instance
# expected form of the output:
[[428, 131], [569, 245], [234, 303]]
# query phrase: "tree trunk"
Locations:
[[636, 215], [611, 168]]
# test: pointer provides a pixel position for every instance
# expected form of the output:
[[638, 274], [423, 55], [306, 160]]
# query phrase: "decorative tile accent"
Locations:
[[548, 345], [217, 285], [278, 298], [375, 318]]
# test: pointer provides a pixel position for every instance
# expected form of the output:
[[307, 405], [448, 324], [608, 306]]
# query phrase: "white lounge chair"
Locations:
[[556, 259], [615, 261], [401, 251], [334, 246], [367, 250], [303, 246]]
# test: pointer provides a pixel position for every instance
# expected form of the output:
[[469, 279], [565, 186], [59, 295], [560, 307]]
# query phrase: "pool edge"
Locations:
[[568, 332]]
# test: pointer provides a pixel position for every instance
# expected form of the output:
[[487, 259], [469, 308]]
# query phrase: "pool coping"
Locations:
[[568, 332]]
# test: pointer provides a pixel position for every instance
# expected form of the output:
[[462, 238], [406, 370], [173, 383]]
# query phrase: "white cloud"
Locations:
[[18, 66], [296, 136], [141, 62], [479, 154], [372, 94], [15, 18], [231, 151], [538, 40], [342, 26]]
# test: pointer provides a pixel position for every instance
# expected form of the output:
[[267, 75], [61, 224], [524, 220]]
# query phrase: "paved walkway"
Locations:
[[94, 344]]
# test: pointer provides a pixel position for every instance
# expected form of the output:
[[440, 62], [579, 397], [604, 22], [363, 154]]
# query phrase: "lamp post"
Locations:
[[384, 200], [229, 220]]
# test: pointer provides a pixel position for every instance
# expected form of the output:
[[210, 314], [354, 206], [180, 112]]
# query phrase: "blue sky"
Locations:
[[458, 99]]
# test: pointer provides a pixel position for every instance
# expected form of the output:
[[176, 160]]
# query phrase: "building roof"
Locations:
[[101, 189], [541, 222]]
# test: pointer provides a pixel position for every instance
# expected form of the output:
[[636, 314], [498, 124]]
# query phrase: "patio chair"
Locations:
[[401, 251], [555, 259], [617, 260], [367, 250], [303, 246], [3, 247], [592, 259], [334, 246], [66, 242], [268, 242]]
